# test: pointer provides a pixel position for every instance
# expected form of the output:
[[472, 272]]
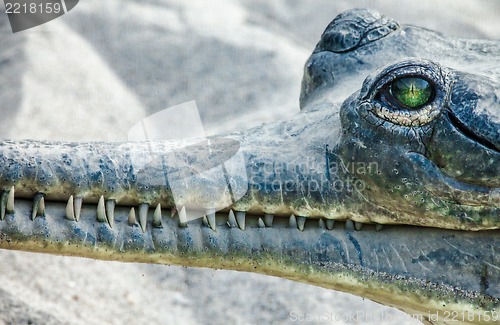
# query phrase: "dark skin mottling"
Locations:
[[356, 153]]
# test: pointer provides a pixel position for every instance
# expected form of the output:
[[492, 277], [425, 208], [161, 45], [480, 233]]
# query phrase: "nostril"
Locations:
[[355, 28]]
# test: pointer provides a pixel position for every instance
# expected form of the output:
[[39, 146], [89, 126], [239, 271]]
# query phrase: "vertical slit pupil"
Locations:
[[411, 92]]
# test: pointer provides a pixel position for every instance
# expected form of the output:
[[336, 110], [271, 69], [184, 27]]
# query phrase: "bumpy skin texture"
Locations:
[[438, 165], [353, 154]]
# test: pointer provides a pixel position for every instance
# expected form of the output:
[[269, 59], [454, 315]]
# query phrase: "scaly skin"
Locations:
[[367, 160]]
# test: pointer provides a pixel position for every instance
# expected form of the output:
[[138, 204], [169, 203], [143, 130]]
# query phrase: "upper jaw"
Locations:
[[467, 206]]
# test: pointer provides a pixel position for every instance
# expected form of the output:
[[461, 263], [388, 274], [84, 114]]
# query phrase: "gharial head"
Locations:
[[424, 136], [399, 125]]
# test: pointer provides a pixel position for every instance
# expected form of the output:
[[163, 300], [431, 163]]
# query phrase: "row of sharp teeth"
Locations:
[[106, 208]]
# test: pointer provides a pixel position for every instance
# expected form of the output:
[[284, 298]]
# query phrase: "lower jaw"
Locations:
[[418, 270]]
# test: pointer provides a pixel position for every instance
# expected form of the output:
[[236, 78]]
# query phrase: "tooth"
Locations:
[[173, 211], [34, 210], [10, 201], [101, 212], [261, 223], [210, 213], [231, 220], [41, 207], [110, 212], [292, 222], [182, 218], [349, 225], [143, 215], [329, 224], [70, 209], [157, 217], [132, 221], [204, 221], [321, 223], [3, 204], [38, 206], [268, 220], [240, 219], [358, 225], [78, 206], [301, 221], [378, 227]]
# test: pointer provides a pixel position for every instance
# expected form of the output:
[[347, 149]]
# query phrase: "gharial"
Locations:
[[399, 126]]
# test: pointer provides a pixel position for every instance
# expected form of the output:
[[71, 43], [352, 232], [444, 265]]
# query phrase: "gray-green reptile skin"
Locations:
[[431, 174]]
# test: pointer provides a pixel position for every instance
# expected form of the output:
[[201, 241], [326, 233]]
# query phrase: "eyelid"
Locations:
[[405, 117], [412, 67]]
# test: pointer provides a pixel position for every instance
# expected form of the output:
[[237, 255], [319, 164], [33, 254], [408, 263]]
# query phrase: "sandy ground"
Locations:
[[93, 73]]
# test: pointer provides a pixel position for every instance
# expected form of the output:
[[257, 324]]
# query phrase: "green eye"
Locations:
[[411, 92]]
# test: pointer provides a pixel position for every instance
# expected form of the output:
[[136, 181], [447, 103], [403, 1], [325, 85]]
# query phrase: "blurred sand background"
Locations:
[[93, 73]]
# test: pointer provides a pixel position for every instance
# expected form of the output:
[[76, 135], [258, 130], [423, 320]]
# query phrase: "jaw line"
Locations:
[[451, 189], [337, 259], [466, 132]]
